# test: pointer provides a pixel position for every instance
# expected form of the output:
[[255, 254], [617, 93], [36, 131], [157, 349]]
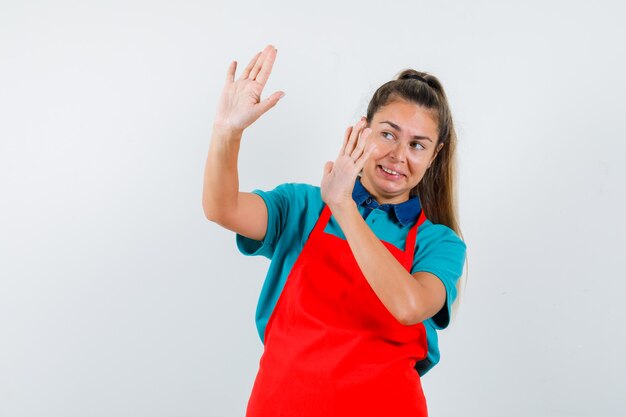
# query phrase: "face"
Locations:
[[405, 135]]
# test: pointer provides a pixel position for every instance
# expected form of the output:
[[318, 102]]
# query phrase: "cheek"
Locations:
[[419, 163], [382, 149], [419, 158], [376, 155]]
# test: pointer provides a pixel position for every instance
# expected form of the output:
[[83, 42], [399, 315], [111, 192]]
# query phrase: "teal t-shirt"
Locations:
[[293, 210]]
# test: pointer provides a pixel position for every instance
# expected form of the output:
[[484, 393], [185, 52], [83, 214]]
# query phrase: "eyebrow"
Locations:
[[395, 126]]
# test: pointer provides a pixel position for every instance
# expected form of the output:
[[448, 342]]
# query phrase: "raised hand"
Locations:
[[339, 177], [240, 104]]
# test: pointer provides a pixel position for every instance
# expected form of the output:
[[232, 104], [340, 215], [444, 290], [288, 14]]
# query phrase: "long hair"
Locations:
[[436, 190]]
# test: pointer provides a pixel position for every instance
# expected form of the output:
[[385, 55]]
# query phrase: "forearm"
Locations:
[[221, 177], [396, 288]]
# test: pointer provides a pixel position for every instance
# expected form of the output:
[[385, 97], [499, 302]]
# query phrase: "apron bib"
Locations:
[[331, 347]]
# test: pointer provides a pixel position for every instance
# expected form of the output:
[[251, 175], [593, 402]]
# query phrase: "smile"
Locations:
[[390, 172]]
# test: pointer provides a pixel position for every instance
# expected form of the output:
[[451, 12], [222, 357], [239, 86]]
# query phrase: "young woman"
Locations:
[[363, 268]]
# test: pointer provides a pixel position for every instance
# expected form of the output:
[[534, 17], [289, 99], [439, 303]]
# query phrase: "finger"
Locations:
[[361, 143], [253, 61], [353, 137], [266, 68], [345, 140], [363, 159], [270, 102], [259, 62], [230, 75], [328, 167]]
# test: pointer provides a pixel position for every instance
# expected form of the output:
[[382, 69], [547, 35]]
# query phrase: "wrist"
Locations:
[[343, 208], [226, 132]]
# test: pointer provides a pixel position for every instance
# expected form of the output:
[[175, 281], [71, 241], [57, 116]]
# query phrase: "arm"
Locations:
[[223, 203], [410, 298], [239, 107]]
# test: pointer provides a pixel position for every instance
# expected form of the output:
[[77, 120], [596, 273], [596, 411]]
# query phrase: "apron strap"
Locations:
[[322, 221], [409, 246]]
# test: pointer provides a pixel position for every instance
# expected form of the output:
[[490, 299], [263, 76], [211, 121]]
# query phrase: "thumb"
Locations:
[[328, 167], [270, 102]]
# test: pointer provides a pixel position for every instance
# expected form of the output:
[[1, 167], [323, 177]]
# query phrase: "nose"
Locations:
[[398, 152]]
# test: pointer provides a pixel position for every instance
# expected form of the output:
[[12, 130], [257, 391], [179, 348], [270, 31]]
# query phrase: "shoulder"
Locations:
[[289, 194], [440, 248], [291, 209], [306, 191], [430, 233], [291, 200], [293, 190]]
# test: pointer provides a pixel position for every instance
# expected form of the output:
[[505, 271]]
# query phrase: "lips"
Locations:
[[389, 174], [390, 171]]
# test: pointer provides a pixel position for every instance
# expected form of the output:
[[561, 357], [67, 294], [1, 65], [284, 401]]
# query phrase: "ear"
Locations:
[[435, 154]]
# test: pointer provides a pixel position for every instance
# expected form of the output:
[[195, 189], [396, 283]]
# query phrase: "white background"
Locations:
[[117, 296]]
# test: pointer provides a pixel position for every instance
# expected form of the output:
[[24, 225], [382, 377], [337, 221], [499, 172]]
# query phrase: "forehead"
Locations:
[[411, 117]]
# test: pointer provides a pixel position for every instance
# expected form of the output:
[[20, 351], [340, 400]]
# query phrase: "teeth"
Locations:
[[389, 171]]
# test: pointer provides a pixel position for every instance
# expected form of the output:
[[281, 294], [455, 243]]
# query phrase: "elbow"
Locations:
[[410, 319], [208, 213], [210, 217], [211, 212], [412, 314], [424, 301], [218, 215], [214, 217]]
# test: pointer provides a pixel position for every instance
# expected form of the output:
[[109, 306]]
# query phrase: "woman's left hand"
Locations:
[[339, 177]]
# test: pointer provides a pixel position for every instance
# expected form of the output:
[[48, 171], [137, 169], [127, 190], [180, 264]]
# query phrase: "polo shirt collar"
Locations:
[[406, 212]]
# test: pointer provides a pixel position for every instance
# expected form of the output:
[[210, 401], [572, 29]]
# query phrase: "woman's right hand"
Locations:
[[240, 104]]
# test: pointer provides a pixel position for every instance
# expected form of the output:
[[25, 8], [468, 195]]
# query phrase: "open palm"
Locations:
[[240, 104], [339, 176]]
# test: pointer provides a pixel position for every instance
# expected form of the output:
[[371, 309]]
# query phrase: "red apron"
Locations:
[[332, 349]]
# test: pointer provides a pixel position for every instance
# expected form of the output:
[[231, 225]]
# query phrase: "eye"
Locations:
[[384, 134], [417, 145]]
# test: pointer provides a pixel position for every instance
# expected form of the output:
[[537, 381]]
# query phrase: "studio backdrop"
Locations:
[[118, 297]]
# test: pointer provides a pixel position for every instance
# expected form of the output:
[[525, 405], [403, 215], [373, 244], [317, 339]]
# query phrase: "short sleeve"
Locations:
[[442, 253], [277, 202]]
